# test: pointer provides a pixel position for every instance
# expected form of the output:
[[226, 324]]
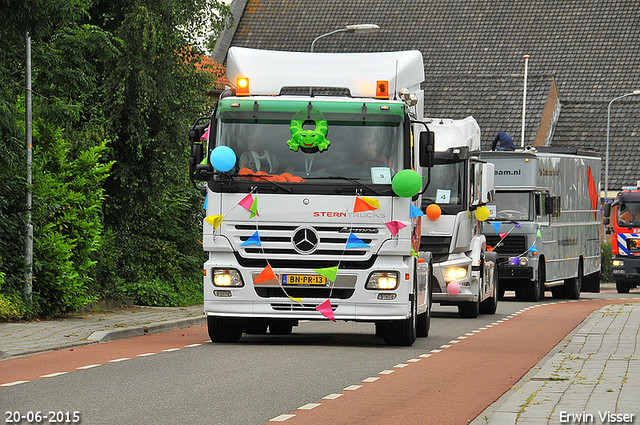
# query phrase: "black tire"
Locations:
[[530, 290], [490, 305], [401, 332], [224, 329], [623, 287], [557, 292], [573, 286], [255, 326], [542, 277], [280, 327]]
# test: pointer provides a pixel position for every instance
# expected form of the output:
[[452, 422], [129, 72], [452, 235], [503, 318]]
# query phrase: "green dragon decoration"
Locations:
[[309, 141]]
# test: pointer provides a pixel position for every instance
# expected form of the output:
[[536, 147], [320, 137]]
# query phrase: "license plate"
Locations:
[[633, 244], [301, 279]]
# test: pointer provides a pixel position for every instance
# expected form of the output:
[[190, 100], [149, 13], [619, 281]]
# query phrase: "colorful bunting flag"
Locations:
[[356, 242], [532, 248], [395, 226], [253, 240], [246, 202], [326, 310], [414, 211], [539, 234], [214, 220], [298, 300], [496, 226], [206, 199], [254, 209], [503, 235], [517, 224], [266, 276], [329, 272], [362, 204]]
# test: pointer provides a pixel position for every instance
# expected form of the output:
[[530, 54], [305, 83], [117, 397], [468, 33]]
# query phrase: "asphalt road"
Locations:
[[251, 382]]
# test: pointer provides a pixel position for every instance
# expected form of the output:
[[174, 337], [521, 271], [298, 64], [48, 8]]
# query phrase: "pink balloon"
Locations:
[[453, 287]]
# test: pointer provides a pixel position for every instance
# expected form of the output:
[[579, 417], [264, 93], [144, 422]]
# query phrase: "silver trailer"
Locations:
[[545, 222]]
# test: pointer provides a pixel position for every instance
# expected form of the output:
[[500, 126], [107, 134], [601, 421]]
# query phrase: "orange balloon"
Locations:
[[433, 211]]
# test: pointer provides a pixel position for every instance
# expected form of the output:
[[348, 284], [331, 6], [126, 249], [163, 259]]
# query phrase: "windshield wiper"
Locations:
[[348, 179]]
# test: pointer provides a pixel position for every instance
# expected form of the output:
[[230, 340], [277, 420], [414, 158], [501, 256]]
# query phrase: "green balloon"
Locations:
[[406, 183]]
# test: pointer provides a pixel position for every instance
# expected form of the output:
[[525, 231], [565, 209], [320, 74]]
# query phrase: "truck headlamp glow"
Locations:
[[227, 278], [456, 273], [383, 280], [617, 263]]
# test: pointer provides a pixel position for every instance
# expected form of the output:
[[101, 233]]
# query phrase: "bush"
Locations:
[[157, 292], [13, 307], [606, 261]]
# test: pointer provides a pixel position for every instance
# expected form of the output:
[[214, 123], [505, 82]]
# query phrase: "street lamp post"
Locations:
[[606, 165], [358, 29]]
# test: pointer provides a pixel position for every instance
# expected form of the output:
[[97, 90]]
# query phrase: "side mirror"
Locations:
[[488, 193], [606, 221], [427, 149], [607, 210], [196, 157]]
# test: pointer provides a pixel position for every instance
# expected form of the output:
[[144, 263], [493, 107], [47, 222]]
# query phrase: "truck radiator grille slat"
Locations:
[[320, 293], [512, 244]]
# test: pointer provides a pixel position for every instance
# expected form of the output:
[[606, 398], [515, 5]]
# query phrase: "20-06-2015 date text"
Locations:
[[47, 417]]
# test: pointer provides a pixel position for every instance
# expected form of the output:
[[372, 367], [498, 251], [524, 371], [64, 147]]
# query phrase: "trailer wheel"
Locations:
[[224, 329]]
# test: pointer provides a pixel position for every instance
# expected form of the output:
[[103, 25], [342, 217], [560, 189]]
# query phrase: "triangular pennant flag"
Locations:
[[414, 211], [517, 224], [532, 248], [394, 226], [496, 226], [298, 300], [206, 199], [371, 201], [539, 234], [329, 272], [253, 240], [246, 202], [503, 235], [326, 310], [254, 209], [356, 242], [362, 205], [266, 275], [214, 220], [414, 253]]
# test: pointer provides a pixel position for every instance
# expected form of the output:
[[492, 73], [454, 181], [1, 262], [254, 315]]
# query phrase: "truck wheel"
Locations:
[[255, 326], [401, 332], [224, 329], [622, 287], [490, 305], [573, 286], [530, 290], [280, 327]]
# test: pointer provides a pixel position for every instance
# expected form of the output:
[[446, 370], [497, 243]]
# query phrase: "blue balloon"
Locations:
[[223, 158]]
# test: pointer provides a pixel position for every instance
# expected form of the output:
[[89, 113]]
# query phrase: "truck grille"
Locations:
[[304, 243], [437, 245], [512, 244]]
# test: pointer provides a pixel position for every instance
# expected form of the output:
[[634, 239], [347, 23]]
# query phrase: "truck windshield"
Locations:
[[510, 206], [628, 214], [313, 142], [445, 187]]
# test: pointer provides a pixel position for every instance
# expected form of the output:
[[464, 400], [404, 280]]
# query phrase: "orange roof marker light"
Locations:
[[242, 86], [382, 89]]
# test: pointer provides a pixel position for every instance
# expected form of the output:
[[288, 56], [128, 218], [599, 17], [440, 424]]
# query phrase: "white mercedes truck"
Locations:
[[545, 222], [455, 188], [312, 210]]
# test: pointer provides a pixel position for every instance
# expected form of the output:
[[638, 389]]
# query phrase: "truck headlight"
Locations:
[[617, 263], [456, 273], [382, 280], [227, 277]]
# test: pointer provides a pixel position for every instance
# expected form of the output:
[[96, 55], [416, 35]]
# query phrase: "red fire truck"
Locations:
[[624, 216]]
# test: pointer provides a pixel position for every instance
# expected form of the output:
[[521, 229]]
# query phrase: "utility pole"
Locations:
[[28, 242]]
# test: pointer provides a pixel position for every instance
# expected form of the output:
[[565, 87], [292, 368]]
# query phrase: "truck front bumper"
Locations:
[[625, 268]]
